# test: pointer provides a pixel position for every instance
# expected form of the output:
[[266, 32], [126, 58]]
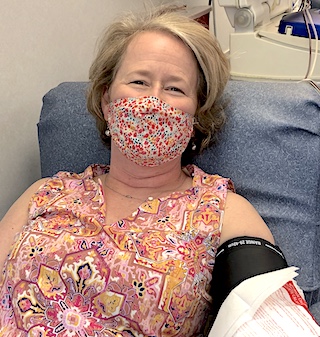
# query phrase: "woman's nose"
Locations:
[[156, 91]]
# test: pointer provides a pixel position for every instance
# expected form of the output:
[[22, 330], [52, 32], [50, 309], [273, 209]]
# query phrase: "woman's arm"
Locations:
[[14, 220], [246, 249], [241, 219]]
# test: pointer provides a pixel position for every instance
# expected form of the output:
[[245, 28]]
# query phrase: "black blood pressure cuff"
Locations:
[[239, 259]]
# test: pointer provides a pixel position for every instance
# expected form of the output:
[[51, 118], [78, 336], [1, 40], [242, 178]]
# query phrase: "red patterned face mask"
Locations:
[[149, 131]]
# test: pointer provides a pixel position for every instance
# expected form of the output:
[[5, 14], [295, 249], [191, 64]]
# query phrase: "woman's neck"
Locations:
[[128, 176]]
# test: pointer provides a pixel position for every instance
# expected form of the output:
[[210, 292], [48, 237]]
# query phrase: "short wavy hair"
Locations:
[[213, 68]]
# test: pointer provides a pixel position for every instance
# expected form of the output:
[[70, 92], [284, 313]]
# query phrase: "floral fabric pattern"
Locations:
[[130, 121], [71, 274]]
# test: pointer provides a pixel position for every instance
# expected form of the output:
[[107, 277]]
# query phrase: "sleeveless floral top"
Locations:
[[70, 274]]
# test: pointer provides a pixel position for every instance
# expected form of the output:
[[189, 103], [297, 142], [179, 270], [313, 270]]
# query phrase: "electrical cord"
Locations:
[[296, 4], [305, 4], [305, 9], [311, 65], [310, 44], [316, 38]]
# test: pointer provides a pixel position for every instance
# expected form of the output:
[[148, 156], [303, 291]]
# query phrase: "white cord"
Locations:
[[296, 4], [310, 20], [305, 4]]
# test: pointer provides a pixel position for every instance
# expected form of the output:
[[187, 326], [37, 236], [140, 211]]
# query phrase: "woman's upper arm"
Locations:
[[242, 219], [15, 219]]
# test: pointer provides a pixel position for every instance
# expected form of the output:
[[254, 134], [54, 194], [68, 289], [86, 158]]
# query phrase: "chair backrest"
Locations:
[[270, 148]]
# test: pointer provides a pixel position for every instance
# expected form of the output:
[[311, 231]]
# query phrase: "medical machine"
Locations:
[[273, 40]]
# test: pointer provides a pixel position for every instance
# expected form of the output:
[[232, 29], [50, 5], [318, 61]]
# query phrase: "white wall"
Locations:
[[42, 43]]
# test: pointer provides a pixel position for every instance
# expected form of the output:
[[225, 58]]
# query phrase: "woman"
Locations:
[[128, 250]]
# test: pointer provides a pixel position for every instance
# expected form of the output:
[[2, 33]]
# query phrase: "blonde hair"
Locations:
[[212, 63]]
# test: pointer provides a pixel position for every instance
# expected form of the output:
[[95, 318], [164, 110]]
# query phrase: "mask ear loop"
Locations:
[[107, 100], [193, 141]]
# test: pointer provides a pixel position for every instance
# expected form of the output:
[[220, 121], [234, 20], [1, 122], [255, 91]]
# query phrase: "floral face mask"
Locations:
[[149, 131]]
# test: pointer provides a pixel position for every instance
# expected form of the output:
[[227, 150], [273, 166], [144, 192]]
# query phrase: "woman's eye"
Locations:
[[175, 89], [138, 82]]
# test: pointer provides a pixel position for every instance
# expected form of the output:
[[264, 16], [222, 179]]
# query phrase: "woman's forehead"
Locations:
[[157, 47]]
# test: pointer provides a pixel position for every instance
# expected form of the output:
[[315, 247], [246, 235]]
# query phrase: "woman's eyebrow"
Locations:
[[169, 77]]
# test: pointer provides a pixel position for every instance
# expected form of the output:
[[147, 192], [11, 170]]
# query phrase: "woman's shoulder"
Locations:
[[69, 182], [242, 219], [19, 209], [208, 180], [16, 218], [69, 188], [89, 172]]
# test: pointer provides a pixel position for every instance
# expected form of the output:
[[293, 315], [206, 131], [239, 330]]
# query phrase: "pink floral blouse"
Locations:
[[70, 274]]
